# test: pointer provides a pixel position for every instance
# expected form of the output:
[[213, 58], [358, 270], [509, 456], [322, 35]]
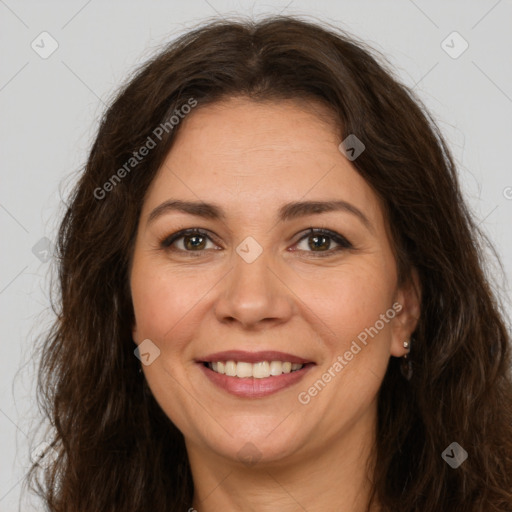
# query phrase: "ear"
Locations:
[[408, 308]]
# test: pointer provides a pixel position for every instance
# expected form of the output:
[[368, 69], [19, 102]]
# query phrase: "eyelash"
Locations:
[[343, 243]]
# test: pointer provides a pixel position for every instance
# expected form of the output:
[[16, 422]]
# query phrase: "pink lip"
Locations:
[[252, 357], [255, 388]]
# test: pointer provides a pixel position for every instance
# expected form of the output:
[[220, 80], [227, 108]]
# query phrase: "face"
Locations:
[[261, 282]]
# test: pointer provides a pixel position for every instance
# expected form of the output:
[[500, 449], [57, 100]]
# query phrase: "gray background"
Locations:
[[50, 107]]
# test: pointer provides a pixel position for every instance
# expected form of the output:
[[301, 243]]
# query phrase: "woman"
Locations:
[[273, 294]]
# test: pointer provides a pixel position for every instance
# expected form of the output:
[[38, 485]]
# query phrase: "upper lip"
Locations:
[[253, 357]]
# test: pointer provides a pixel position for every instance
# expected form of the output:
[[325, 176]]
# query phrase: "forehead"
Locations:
[[240, 127], [256, 155]]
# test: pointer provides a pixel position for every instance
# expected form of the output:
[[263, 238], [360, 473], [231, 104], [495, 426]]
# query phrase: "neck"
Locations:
[[335, 478]]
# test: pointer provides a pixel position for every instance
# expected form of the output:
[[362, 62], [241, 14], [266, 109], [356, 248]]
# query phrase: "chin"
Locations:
[[257, 440]]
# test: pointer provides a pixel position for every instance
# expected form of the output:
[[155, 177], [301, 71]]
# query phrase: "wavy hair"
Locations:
[[115, 449]]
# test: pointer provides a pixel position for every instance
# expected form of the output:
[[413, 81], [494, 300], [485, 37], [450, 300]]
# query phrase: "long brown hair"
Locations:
[[115, 448]]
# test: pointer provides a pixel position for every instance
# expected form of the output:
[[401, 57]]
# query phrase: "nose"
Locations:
[[254, 295]]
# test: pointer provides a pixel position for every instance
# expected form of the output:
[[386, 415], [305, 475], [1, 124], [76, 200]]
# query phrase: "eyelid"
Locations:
[[168, 240], [342, 241], [338, 238]]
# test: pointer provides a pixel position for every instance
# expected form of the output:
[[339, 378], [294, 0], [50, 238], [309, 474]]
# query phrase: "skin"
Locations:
[[250, 158]]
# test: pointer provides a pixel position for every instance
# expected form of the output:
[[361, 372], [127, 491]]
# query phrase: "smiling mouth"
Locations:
[[259, 370], [252, 375]]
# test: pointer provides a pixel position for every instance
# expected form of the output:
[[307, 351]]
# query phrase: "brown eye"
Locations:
[[194, 240], [320, 241]]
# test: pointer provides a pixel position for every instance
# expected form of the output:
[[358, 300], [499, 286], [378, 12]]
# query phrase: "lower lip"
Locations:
[[255, 388]]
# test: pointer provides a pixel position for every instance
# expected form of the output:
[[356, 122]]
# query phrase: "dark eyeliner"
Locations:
[[342, 242], [339, 239], [169, 240]]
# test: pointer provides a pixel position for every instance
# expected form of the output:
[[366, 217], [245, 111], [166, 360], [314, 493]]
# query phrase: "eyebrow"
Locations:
[[288, 211]]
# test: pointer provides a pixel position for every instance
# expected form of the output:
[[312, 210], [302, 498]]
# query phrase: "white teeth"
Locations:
[[276, 368], [230, 368], [260, 370], [244, 370]]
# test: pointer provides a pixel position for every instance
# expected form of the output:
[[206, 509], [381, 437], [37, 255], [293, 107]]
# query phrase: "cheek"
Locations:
[[352, 299], [163, 300], [359, 313]]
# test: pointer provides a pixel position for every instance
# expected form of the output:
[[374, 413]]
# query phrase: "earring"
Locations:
[[406, 364]]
